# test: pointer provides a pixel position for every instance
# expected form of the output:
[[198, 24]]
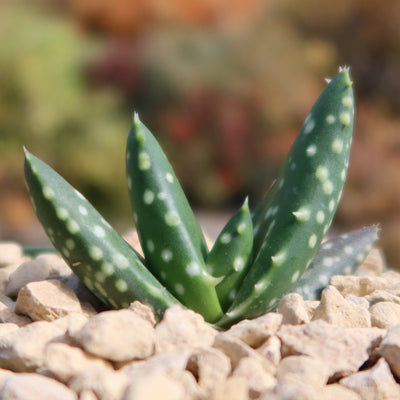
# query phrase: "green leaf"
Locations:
[[303, 203], [170, 235], [231, 254], [97, 254], [340, 255]]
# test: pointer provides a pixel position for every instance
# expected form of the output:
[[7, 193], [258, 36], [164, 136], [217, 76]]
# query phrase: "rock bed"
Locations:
[[57, 342]]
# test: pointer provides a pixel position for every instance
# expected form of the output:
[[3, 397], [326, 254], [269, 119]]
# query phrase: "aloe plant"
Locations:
[[259, 255]]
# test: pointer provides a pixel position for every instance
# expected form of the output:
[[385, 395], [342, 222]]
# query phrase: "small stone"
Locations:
[[293, 309], [258, 378], [391, 276], [271, 352], [23, 350], [376, 383], [301, 377], [378, 296], [343, 350], [144, 311], [256, 331], [10, 253], [4, 374], [311, 306], [103, 384], [65, 361], [7, 314], [35, 387], [338, 392], [183, 328], [7, 327], [389, 349], [234, 348], [155, 386], [303, 369], [5, 273], [358, 301], [210, 366], [119, 335], [55, 264], [385, 314], [336, 310], [173, 363], [47, 300], [29, 271], [234, 388], [359, 286]]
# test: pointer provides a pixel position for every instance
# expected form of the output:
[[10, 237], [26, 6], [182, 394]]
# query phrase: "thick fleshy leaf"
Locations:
[[303, 202], [170, 236], [97, 254], [340, 255], [231, 254]]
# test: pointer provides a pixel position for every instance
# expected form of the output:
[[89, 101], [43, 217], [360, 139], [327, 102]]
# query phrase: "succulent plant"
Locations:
[[258, 257]]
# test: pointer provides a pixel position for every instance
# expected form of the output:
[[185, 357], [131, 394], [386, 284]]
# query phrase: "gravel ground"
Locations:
[[57, 341]]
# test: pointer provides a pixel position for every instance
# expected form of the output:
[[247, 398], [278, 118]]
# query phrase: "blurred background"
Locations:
[[224, 85]]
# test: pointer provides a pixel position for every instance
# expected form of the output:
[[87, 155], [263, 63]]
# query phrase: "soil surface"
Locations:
[[58, 341]]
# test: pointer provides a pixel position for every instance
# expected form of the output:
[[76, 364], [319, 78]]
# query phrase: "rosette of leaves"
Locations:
[[260, 254]]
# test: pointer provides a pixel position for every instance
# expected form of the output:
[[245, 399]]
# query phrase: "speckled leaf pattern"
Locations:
[[231, 254], [97, 254], [340, 255], [171, 238], [304, 201]]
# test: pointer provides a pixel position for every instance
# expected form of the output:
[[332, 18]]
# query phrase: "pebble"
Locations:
[[117, 336], [65, 361], [338, 392], [29, 271], [155, 386], [23, 350], [47, 300], [359, 286], [234, 388], [258, 378], [376, 383], [306, 350], [210, 366], [343, 350], [99, 384], [10, 253], [293, 309], [234, 348], [385, 314], [27, 386], [183, 328], [256, 331], [336, 310], [389, 349]]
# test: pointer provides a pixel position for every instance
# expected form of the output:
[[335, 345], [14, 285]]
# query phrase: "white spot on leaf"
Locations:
[[172, 218], [238, 264], [121, 285], [337, 146], [312, 241], [330, 119], [311, 150], [144, 161], [95, 253], [166, 255], [193, 269], [99, 231], [148, 197]]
